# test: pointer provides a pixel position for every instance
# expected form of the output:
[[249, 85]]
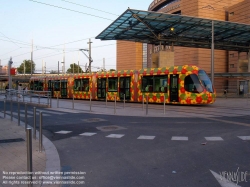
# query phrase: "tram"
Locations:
[[185, 84]]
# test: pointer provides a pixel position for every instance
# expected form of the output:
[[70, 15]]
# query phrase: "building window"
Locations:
[[231, 13], [231, 65], [231, 55]]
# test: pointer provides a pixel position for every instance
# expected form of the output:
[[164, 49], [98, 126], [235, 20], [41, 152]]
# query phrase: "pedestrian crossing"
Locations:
[[150, 137]]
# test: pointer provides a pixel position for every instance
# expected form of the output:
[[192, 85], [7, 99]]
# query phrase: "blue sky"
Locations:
[[51, 27]]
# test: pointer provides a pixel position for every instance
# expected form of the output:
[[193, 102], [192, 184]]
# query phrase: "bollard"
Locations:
[[11, 112], [164, 104], [18, 113], [48, 100], [57, 102], [115, 105], [124, 101], [41, 132], [25, 115], [4, 108], [34, 122], [147, 106], [73, 106], [106, 100], [90, 96], [142, 102], [29, 153]]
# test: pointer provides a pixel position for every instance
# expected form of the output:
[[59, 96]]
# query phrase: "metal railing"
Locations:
[[42, 98]]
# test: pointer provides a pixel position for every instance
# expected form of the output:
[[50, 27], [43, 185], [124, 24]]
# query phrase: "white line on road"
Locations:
[[88, 134], [181, 138], [213, 138], [244, 137], [115, 136], [63, 132], [143, 137]]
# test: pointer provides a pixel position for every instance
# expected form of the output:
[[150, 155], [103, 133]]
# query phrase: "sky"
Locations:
[[55, 25]]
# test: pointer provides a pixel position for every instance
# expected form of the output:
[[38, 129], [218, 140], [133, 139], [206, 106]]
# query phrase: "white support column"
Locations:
[[212, 53]]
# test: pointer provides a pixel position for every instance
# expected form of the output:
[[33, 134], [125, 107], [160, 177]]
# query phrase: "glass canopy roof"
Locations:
[[178, 30]]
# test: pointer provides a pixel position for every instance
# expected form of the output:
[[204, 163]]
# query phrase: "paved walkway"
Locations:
[[13, 156]]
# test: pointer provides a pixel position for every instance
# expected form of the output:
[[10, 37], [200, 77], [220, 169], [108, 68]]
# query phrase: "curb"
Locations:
[[52, 157]]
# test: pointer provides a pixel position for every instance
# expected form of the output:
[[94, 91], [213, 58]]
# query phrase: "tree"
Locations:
[[112, 70], [54, 72], [75, 68], [27, 64]]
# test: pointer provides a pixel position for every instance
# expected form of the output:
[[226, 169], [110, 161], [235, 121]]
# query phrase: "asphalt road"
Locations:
[[120, 151]]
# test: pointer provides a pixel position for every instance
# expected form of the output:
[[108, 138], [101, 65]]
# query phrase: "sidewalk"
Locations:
[[13, 156]]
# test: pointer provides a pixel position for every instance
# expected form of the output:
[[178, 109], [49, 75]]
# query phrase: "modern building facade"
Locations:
[[131, 55]]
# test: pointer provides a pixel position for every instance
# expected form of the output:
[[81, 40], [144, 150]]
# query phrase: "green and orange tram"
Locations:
[[187, 84]]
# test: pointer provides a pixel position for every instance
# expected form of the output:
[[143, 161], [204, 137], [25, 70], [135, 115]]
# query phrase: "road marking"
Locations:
[[65, 110], [63, 132], [182, 138], [143, 137], [244, 137], [37, 113], [21, 115], [88, 134], [213, 138], [50, 112], [223, 181], [225, 121], [115, 136]]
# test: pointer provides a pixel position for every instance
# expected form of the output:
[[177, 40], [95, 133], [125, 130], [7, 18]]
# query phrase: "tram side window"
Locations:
[[192, 84], [38, 85], [112, 84], [78, 84], [81, 85], [160, 84], [31, 85], [57, 85], [147, 83], [154, 84]]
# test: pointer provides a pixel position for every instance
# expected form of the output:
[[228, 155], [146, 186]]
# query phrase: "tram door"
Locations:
[[101, 88], [50, 87], [64, 88], [125, 88], [174, 96]]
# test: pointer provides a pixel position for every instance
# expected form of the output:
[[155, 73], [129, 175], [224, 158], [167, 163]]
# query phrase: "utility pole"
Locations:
[[31, 68], [58, 68], [9, 71], [24, 67], [42, 68], [103, 64], [78, 63], [64, 59], [90, 59]]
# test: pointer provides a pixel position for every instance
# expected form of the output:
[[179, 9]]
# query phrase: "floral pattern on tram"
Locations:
[[185, 97], [84, 87]]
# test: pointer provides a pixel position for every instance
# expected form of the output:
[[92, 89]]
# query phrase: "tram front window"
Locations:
[[205, 81], [192, 84]]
